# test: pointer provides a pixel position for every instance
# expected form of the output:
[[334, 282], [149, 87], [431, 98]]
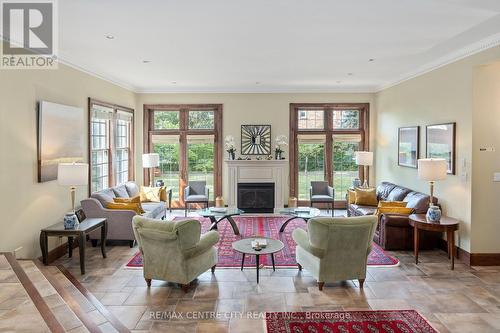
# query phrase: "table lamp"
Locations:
[[365, 159], [150, 161], [72, 175], [432, 170]]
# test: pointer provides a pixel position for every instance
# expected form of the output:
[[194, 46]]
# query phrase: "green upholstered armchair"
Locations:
[[174, 251], [335, 249]]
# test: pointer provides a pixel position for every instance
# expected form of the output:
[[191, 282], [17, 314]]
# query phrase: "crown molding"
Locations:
[[474, 48], [346, 90], [452, 57], [122, 84]]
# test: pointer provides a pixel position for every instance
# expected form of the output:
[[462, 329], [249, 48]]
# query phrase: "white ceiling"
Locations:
[[271, 46]]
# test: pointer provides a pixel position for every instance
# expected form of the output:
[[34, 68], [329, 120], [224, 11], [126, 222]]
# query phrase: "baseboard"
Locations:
[[485, 259], [472, 259], [58, 252], [462, 255]]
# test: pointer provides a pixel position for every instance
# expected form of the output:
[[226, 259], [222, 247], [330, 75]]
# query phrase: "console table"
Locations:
[[86, 226], [446, 224]]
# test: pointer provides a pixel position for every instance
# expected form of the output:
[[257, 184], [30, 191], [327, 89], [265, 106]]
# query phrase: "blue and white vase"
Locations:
[[433, 213], [70, 221]]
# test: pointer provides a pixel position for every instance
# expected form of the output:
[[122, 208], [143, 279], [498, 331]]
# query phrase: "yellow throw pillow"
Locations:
[[150, 194], [136, 199], [163, 194], [366, 197], [351, 196], [392, 203], [136, 207], [394, 210]]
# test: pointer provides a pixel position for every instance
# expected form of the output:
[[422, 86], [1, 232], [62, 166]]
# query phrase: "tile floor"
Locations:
[[464, 300]]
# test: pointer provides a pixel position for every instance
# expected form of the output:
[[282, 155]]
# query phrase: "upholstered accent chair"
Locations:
[[320, 192], [174, 251], [335, 249], [196, 192]]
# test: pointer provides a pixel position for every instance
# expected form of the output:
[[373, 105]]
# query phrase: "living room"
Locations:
[[241, 117]]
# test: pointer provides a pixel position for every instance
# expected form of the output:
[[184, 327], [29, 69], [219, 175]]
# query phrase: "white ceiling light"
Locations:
[[109, 36]]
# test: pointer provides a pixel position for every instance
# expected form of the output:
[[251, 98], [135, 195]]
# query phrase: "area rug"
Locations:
[[397, 321], [267, 226]]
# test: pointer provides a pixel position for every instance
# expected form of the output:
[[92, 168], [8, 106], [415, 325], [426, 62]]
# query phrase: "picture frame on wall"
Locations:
[[408, 146], [255, 139], [60, 138], [440, 142]]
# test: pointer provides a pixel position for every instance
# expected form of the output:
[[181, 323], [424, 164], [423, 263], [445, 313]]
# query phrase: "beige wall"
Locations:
[[485, 192], [448, 94], [443, 95], [26, 205], [239, 109]]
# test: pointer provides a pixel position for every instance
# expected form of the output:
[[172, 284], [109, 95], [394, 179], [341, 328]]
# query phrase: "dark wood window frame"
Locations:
[[111, 138], [327, 131], [183, 131]]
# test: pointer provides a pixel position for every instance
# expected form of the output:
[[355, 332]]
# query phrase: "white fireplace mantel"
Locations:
[[255, 171]]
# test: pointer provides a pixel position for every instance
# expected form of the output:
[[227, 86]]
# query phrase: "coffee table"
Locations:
[[217, 216], [244, 246], [306, 216]]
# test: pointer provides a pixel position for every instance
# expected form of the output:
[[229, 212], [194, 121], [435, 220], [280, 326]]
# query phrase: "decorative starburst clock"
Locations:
[[255, 139]]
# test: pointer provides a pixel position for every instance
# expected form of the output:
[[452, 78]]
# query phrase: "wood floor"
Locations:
[[464, 300]]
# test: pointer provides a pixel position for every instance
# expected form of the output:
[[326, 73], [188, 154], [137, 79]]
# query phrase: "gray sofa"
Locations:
[[119, 221]]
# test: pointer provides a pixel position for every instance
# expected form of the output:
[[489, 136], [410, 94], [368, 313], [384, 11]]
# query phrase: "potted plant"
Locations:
[[230, 147], [281, 141]]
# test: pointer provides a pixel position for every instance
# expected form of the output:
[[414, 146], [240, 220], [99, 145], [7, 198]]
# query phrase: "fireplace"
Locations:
[[256, 197]]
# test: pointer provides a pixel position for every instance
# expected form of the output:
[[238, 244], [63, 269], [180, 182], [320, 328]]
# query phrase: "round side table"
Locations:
[[446, 224]]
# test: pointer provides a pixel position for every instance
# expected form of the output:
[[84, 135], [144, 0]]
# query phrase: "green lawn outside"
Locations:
[[342, 180], [171, 179]]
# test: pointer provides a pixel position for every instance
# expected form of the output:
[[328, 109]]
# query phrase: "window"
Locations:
[[201, 119], [345, 119], [311, 119], [324, 138], [188, 140], [166, 120], [111, 156], [311, 162]]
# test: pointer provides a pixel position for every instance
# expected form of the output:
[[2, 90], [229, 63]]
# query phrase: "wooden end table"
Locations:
[[446, 224], [80, 232]]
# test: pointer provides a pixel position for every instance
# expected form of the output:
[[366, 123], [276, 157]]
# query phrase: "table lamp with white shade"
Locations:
[[365, 159], [72, 175], [432, 170], [151, 161]]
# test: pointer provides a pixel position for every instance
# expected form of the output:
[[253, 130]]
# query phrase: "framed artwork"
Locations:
[[441, 143], [255, 139], [408, 146], [60, 138]]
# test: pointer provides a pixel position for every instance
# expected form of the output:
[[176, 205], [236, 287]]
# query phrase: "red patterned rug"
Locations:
[[397, 321], [267, 226]]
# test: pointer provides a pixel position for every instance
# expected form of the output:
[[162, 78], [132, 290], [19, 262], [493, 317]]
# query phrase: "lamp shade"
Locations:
[[73, 174], [432, 169], [150, 160], [364, 158]]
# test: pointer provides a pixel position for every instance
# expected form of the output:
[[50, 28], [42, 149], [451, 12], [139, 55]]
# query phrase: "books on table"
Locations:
[[302, 210], [261, 242], [218, 209]]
